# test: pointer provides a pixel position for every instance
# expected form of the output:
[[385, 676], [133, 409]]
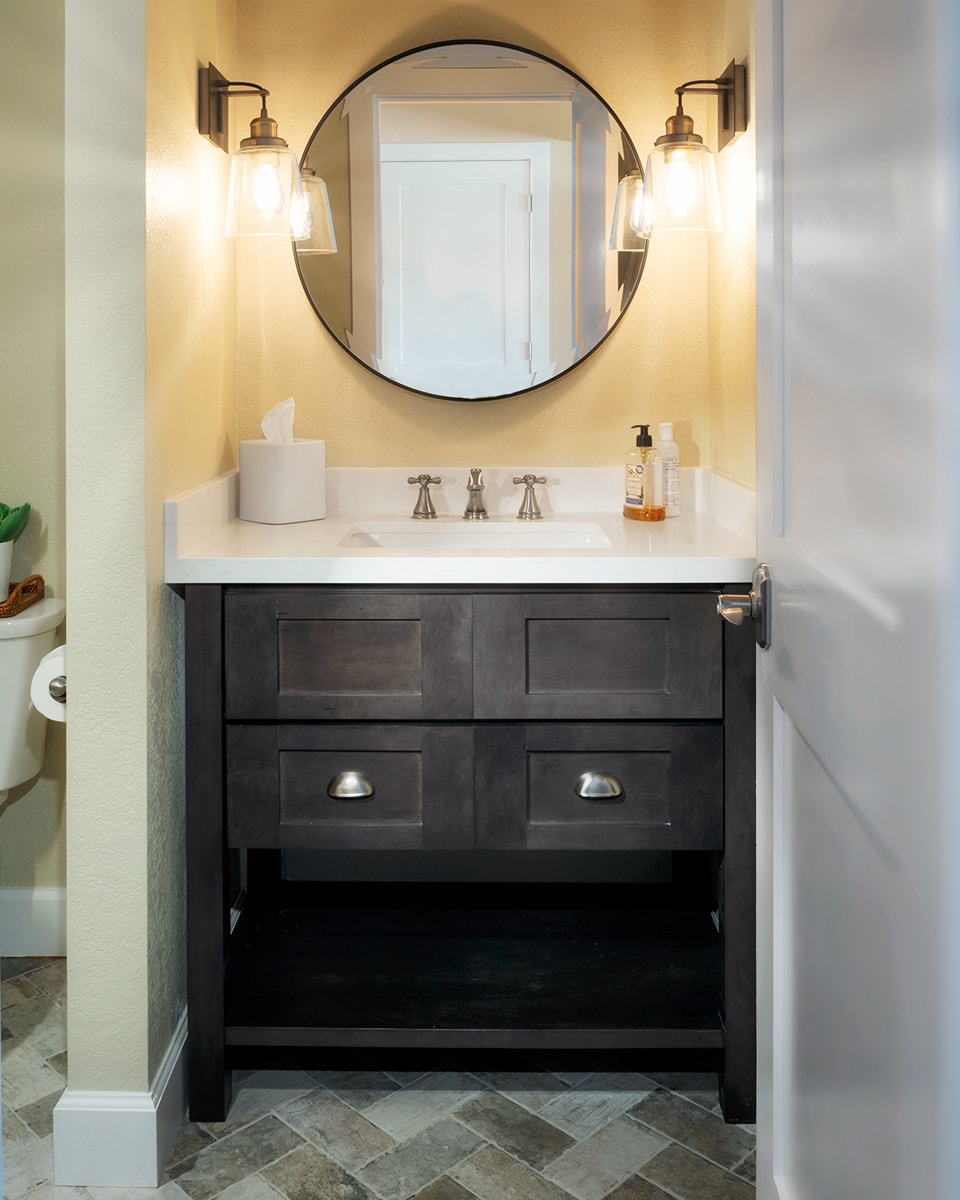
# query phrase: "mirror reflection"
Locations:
[[472, 188]]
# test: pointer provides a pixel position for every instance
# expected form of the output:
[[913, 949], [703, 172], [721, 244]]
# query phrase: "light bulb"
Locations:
[[267, 188], [681, 187]]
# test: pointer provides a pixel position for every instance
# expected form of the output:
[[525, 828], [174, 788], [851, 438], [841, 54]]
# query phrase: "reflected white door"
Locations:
[[457, 274], [858, 771]]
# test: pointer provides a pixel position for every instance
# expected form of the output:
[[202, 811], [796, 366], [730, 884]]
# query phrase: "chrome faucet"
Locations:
[[475, 510], [529, 508], [423, 510]]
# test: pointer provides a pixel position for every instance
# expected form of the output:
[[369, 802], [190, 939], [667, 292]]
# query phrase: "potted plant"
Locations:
[[12, 522]]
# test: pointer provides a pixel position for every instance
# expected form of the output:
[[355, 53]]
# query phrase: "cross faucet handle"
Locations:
[[423, 509], [529, 508]]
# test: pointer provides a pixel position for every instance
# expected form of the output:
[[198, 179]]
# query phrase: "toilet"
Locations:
[[24, 640]]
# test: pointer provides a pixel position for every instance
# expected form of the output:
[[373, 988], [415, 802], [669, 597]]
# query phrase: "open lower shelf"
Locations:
[[409, 974]]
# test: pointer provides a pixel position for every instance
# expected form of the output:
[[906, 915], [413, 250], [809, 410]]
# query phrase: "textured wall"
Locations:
[[654, 367], [149, 354], [732, 271], [32, 836]]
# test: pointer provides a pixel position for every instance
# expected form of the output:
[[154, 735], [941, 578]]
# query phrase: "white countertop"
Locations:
[[712, 541]]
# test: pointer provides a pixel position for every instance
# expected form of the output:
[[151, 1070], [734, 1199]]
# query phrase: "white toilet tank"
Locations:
[[24, 640]]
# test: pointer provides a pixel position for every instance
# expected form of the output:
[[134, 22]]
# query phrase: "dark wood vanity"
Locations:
[[472, 715]]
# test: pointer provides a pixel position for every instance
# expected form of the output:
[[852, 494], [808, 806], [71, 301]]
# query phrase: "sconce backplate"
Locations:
[[212, 107], [732, 115]]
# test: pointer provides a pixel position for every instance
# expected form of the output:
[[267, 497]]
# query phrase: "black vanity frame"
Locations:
[[473, 706]]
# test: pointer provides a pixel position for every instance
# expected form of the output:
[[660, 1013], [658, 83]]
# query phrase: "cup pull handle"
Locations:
[[597, 785], [350, 785]]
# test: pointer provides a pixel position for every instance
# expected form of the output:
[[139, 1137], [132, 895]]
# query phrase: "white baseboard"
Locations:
[[122, 1139], [33, 922]]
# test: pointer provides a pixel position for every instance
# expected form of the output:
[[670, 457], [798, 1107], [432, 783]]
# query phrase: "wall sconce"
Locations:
[[678, 189], [266, 197]]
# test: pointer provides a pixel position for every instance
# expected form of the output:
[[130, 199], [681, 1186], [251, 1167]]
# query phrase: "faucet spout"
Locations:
[[475, 510]]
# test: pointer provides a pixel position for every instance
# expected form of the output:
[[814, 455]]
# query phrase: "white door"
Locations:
[[859, 521], [464, 267]]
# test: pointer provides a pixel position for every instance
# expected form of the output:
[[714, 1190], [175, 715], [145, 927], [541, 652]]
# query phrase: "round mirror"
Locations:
[[472, 188]]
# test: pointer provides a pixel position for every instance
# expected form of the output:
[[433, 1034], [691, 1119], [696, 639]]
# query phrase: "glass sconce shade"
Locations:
[[318, 236], [266, 198], [680, 190], [626, 232]]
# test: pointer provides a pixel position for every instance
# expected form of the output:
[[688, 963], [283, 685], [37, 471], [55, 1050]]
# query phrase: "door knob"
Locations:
[[756, 606]]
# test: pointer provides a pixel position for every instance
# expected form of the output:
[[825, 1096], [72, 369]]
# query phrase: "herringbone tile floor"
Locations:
[[371, 1134]]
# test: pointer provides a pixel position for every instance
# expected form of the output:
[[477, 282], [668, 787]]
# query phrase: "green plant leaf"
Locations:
[[12, 521]]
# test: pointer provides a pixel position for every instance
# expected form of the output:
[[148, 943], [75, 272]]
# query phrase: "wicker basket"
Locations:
[[28, 591]]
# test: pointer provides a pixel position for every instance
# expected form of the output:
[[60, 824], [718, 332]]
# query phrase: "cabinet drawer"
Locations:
[[279, 779], [339, 654], [614, 656], [670, 781]]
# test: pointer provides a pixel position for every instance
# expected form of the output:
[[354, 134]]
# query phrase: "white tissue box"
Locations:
[[282, 482]]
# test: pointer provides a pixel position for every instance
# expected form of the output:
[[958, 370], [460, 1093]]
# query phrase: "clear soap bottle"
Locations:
[[644, 480], [670, 461]]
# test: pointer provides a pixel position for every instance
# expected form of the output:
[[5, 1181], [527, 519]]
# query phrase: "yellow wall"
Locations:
[[732, 275], [655, 366], [32, 841]]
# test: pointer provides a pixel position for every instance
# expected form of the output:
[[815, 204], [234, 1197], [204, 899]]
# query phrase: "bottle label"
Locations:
[[634, 485], [671, 481]]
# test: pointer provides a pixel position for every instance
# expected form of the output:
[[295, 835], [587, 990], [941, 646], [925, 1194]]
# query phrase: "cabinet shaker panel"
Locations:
[[602, 656], [347, 655]]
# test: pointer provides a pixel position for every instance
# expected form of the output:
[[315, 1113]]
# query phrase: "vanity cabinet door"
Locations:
[[609, 656], [663, 783], [419, 779], [346, 654]]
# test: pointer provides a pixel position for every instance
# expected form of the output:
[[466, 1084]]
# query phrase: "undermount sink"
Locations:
[[494, 534]]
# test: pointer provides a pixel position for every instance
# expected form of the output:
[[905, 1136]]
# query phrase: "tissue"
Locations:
[[277, 424], [53, 666], [282, 478]]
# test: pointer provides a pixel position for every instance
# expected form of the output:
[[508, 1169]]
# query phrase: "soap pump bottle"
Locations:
[[644, 480], [670, 459], [633, 486]]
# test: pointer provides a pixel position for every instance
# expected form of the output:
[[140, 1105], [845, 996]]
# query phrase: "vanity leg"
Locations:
[[738, 1074], [208, 902]]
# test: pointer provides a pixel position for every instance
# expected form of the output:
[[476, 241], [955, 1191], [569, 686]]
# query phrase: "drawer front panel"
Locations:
[[336, 654], [665, 787], [279, 779], [608, 657]]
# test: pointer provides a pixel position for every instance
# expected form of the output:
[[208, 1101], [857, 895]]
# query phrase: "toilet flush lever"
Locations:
[[756, 606]]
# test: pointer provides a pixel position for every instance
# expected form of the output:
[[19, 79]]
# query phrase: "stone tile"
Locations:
[[39, 1115], [748, 1168], [702, 1087], [589, 1169], [167, 1191], [50, 1191], [490, 1174], [515, 1130], [10, 968], [432, 1097], [693, 1126], [258, 1094], [59, 1063], [339, 1130], [444, 1188], [531, 1089], [690, 1177], [15, 991], [15, 1131], [638, 1189], [190, 1140], [254, 1187], [307, 1174], [26, 1166], [234, 1157], [26, 1077], [359, 1089], [594, 1100], [51, 979], [40, 1023], [418, 1161]]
